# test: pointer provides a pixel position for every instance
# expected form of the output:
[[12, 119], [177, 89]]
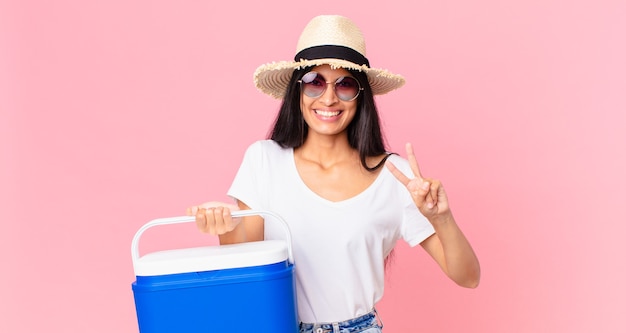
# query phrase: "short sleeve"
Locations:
[[247, 182], [415, 226]]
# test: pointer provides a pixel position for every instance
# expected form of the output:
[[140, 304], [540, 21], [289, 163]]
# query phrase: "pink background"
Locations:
[[117, 112]]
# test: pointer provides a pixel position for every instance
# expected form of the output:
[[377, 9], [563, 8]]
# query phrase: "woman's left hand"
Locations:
[[427, 193]]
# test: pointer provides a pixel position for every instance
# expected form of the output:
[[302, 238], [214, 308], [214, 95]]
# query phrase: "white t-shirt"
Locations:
[[339, 248]]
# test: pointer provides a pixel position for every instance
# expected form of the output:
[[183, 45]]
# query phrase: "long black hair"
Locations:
[[364, 133]]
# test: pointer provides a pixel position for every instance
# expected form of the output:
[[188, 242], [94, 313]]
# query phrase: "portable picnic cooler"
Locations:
[[247, 287]]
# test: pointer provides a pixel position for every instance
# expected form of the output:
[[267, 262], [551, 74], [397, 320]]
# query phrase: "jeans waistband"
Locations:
[[348, 325]]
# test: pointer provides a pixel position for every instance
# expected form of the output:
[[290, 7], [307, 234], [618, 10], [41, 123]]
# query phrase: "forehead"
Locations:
[[329, 72]]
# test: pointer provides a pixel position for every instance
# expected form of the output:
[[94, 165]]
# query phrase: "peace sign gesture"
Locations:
[[427, 193]]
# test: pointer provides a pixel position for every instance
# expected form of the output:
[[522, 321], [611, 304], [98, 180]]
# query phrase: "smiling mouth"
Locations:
[[328, 113]]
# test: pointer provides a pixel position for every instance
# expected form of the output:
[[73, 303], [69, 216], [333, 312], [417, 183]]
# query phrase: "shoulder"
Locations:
[[265, 150], [401, 163], [264, 147]]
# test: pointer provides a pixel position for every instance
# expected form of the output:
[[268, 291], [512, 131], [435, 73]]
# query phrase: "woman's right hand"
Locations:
[[214, 217]]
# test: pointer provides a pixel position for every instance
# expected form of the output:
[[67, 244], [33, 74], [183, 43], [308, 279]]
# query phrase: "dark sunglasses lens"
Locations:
[[313, 84], [347, 88]]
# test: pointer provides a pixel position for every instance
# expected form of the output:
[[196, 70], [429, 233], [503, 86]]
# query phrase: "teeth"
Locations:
[[327, 113]]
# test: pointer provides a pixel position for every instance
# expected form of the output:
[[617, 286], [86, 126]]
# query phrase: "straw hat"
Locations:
[[327, 39]]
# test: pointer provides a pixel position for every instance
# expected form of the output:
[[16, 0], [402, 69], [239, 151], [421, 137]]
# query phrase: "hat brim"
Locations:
[[273, 78]]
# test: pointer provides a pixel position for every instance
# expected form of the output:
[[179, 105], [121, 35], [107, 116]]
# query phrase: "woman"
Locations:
[[322, 171]]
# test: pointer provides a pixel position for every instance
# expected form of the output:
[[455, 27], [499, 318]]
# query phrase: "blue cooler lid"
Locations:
[[209, 258]]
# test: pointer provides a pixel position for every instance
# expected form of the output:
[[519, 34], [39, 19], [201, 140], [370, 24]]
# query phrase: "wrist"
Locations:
[[440, 220]]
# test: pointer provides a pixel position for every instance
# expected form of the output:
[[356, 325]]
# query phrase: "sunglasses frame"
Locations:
[[358, 92]]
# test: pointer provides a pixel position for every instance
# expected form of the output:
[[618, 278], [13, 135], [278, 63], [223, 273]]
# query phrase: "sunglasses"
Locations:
[[313, 84]]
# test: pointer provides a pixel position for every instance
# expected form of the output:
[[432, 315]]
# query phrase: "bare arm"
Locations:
[[454, 254], [448, 246]]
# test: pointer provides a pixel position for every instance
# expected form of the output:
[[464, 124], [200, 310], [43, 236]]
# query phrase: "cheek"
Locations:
[[353, 110], [305, 103]]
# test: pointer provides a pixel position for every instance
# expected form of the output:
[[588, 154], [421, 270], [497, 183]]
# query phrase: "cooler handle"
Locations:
[[186, 219]]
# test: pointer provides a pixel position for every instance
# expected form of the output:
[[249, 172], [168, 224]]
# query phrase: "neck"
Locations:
[[327, 150]]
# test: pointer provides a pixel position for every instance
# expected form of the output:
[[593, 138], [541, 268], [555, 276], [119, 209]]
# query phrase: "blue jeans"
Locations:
[[367, 323]]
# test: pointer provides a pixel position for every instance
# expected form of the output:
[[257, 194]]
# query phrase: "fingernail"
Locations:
[[425, 185]]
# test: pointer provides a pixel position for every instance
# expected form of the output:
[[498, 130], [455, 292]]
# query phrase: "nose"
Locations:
[[329, 97]]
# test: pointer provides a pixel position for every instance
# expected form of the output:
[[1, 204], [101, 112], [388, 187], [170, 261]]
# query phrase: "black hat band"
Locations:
[[332, 51]]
